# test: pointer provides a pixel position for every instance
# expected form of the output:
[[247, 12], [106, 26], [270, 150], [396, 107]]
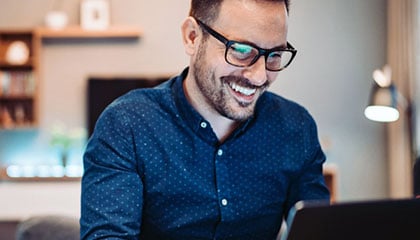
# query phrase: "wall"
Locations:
[[35, 199], [339, 44]]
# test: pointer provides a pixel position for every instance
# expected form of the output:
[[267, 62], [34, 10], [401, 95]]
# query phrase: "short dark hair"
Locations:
[[208, 10]]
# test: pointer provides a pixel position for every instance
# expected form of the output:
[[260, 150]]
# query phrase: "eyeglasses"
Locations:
[[241, 54]]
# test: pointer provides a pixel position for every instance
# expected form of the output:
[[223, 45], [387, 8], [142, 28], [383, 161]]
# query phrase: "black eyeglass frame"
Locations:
[[261, 51]]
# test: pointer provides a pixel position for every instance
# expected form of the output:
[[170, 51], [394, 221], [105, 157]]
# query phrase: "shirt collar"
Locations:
[[192, 118], [186, 110]]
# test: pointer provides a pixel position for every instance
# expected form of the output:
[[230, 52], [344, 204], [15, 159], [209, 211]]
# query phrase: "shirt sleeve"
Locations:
[[112, 190], [309, 183]]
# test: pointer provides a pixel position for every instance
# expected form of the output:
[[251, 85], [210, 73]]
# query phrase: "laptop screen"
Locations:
[[363, 220]]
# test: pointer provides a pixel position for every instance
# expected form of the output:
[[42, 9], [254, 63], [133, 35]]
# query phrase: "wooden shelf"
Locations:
[[18, 96], [34, 40], [29, 64], [78, 32], [40, 179], [13, 31], [7, 66]]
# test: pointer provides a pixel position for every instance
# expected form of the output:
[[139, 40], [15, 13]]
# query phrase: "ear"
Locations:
[[191, 35]]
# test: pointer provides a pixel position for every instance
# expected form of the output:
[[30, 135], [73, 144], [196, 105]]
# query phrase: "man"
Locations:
[[209, 154]]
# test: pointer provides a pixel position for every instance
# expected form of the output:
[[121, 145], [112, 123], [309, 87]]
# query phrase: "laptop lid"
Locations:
[[363, 220]]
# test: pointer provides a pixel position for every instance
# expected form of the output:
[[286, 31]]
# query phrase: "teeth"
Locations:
[[243, 90]]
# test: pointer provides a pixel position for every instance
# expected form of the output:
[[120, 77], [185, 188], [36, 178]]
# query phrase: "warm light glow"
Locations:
[[44, 171], [28, 171], [382, 113], [57, 171], [16, 171], [74, 171]]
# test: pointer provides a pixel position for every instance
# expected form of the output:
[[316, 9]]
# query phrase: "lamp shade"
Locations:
[[383, 103]]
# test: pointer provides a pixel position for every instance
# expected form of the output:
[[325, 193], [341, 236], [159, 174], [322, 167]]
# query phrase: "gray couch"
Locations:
[[50, 227]]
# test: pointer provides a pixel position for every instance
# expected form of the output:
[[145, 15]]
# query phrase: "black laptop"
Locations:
[[396, 219]]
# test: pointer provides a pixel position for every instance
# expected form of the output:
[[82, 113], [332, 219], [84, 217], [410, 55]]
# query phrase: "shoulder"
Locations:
[[138, 105], [142, 99]]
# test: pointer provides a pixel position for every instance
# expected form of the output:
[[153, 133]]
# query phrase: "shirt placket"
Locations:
[[223, 190], [222, 182]]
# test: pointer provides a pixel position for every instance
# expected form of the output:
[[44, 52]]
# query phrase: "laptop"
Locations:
[[362, 220]]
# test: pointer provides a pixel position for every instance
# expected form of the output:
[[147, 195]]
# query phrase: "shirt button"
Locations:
[[220, 152], [224, 202], [203, 124]]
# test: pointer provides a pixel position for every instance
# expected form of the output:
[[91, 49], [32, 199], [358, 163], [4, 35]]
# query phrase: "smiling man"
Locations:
[[209, 154]]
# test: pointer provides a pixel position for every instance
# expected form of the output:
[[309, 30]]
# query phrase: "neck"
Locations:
[[222, 126]]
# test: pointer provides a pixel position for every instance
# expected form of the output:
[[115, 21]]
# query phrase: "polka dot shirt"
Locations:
[[154, 169]]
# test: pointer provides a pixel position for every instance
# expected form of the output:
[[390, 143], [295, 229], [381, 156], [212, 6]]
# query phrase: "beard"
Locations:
[[217, 91]]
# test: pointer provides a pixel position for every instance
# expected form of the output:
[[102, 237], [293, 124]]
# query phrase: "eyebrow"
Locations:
[[220, 35], [279, 47]]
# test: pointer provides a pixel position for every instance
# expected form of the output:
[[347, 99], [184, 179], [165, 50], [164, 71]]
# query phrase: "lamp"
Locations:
[[384, 98], [387, 104], [382, 104]]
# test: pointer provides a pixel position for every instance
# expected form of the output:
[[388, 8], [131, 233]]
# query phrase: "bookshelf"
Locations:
[[20, 82]]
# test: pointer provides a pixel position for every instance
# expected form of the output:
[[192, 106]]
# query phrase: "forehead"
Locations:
[[261, 22]]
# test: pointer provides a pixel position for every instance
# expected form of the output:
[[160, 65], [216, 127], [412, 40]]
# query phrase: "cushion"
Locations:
[[48, 228]]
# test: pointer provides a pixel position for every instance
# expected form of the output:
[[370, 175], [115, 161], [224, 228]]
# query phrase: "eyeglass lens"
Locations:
[[243, 55]]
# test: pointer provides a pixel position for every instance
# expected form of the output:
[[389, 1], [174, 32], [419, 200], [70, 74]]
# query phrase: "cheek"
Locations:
[[272, 76], [218, 66], [215, 54]]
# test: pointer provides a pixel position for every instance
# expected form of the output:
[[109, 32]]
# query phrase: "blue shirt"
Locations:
[[154, 169]]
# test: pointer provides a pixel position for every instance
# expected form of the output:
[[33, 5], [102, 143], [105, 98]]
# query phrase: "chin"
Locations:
[[240, 114]]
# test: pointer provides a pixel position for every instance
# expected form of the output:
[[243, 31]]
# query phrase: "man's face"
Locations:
[[233, 91]]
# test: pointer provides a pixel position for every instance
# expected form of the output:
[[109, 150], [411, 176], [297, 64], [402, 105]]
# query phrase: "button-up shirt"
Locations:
[[154, 169]]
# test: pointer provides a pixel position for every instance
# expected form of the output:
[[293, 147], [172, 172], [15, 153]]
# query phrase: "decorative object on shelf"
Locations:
[[20, 115], [64, 139], [56, 20], [95, 14], [17, 83], [6, 120], [17, 53]]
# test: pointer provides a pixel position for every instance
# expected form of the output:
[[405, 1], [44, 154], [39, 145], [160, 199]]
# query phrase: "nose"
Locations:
[[257, 73]]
